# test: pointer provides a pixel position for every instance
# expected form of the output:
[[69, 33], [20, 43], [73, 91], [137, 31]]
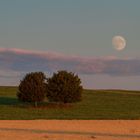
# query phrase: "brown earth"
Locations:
[[69, 130]]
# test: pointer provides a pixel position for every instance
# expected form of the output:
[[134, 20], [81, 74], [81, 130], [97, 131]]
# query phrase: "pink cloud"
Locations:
[[20, 60]]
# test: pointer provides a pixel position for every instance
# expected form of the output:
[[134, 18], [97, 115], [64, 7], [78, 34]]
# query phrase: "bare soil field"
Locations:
[[69, 130]]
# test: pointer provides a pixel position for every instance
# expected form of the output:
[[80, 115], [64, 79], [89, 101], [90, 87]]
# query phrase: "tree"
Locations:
[[64, 87], [32, 88]]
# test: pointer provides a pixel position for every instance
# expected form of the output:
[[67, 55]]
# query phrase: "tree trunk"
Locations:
[[35, 104]]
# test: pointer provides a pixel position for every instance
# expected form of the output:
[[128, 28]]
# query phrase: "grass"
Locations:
[[96, 104]]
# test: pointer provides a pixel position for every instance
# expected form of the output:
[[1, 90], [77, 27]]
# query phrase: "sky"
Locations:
[[74, 35]]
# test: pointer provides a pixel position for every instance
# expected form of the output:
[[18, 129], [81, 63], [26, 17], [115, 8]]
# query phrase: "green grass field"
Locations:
[[96, 104]]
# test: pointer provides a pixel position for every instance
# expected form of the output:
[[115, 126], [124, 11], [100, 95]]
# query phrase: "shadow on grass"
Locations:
[[48, 105], [14, 102], [8, 101]]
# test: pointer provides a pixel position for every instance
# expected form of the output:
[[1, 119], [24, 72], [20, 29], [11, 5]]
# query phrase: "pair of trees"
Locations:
[[63, 86]]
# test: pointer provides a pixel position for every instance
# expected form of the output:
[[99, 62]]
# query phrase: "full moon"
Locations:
[[119, 42]]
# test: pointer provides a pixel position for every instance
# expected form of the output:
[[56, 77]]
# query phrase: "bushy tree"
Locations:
[[32, 88], [64, 87]]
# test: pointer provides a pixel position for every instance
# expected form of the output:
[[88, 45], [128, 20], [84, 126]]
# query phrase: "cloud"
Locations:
[[14, 62], [9, 74]]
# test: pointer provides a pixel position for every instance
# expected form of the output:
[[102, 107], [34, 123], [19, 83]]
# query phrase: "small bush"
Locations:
[[64, 87], [32, 88]]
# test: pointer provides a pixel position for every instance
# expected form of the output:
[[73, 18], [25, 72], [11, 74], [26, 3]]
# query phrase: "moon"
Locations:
[[119, 43]]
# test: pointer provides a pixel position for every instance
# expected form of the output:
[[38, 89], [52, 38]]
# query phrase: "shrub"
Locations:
[[64, 87], [32, 88]]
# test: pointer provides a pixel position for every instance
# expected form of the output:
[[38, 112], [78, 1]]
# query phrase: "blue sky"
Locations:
[[79, 28]]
